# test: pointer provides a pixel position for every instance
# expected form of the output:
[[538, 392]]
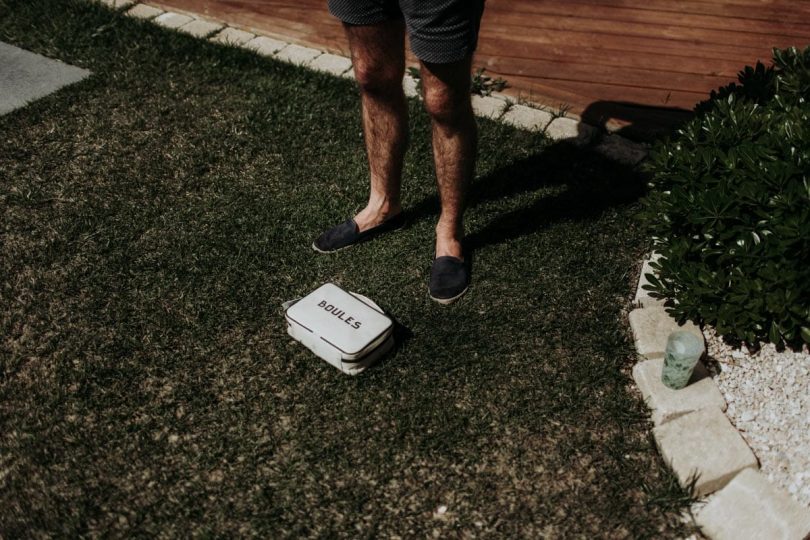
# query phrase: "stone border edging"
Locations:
[[499, 107], [699, 443]]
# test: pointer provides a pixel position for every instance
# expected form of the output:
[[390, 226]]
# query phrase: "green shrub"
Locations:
[[729, 207]]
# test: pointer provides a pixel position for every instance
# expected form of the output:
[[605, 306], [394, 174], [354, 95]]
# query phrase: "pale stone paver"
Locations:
[[201, 28], [331, 63], [668, 404], [172, 20], [488, 106], [568, 129], [750, 507], [349, 74], [265, 46], [643, 297], [142, 11], [527, 118], [117, 4], [703, 443], [26, 76], [233, 36], [298, 54], [651, 327], [409, 86], [622, 150]]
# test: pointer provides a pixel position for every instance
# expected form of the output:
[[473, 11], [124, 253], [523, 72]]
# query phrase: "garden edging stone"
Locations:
[[643, 298], [621, 150], [297, 54], [201, 28], [651, 327], [703, 445], [172, 20], [144, 11], [265, 46], [233, 36], [751, 507], [528, 118], [488, 107], [568, 129], [332, 64], [667, 404], [118, 4], [410, 86]]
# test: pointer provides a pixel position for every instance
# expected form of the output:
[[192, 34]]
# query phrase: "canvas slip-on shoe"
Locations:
[[348, 234], [449, 279]]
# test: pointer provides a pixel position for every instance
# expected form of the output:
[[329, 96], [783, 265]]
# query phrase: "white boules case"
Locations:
[[346, 329]]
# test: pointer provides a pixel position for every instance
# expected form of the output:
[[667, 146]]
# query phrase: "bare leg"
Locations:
[[455, 140], [378, 55]]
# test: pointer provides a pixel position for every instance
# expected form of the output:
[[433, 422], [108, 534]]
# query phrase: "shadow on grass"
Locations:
[[590, 185], [402, 335]]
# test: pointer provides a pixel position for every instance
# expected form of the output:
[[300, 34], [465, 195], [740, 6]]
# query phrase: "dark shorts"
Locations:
[[441, 31]]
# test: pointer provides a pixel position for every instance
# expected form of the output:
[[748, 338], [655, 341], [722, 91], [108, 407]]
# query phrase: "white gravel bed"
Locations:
[[768, 395]]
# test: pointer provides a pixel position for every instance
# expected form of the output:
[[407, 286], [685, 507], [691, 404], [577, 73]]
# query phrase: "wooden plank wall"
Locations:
[[636, 63]]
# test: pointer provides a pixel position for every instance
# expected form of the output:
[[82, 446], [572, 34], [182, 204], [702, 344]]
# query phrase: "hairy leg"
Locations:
[[455, 141], [378, 56]]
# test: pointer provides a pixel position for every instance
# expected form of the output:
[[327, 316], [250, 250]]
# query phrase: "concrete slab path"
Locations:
[[27, 76]]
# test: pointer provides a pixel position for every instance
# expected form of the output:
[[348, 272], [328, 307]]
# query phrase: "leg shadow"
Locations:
[[587, 185]]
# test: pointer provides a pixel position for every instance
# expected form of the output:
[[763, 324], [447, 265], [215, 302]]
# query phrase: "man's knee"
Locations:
[[375, 77], [445, 105]]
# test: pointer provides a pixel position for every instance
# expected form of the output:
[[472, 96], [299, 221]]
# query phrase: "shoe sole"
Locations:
[[314, 247], [446, 301]]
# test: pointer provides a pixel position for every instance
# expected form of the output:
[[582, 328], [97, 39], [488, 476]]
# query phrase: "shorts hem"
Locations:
[[355, 20], [451, 54]]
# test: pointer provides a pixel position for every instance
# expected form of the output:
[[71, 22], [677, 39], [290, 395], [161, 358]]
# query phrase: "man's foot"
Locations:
[[348, 234], [449, 279]]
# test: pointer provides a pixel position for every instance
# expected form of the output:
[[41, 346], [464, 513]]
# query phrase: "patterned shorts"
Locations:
[[441, 31]]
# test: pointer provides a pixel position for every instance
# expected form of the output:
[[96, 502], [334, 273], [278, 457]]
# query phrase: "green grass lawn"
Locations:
[[156, 215]]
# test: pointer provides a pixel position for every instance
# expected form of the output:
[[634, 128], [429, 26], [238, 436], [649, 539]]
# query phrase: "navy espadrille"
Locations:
[[449, 279], [347, 234]]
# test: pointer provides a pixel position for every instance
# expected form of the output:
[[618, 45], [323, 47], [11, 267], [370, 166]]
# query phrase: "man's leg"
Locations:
[[378, 56], [455, 138]]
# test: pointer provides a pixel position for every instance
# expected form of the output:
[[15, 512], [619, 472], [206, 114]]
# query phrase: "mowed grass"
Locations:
[[157, 215]]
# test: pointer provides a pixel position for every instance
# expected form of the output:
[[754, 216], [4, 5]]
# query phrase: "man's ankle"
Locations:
[[375, 214], [449, 243]]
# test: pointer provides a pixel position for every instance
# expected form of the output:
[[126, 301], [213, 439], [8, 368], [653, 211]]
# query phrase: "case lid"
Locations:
[[339, 318]]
